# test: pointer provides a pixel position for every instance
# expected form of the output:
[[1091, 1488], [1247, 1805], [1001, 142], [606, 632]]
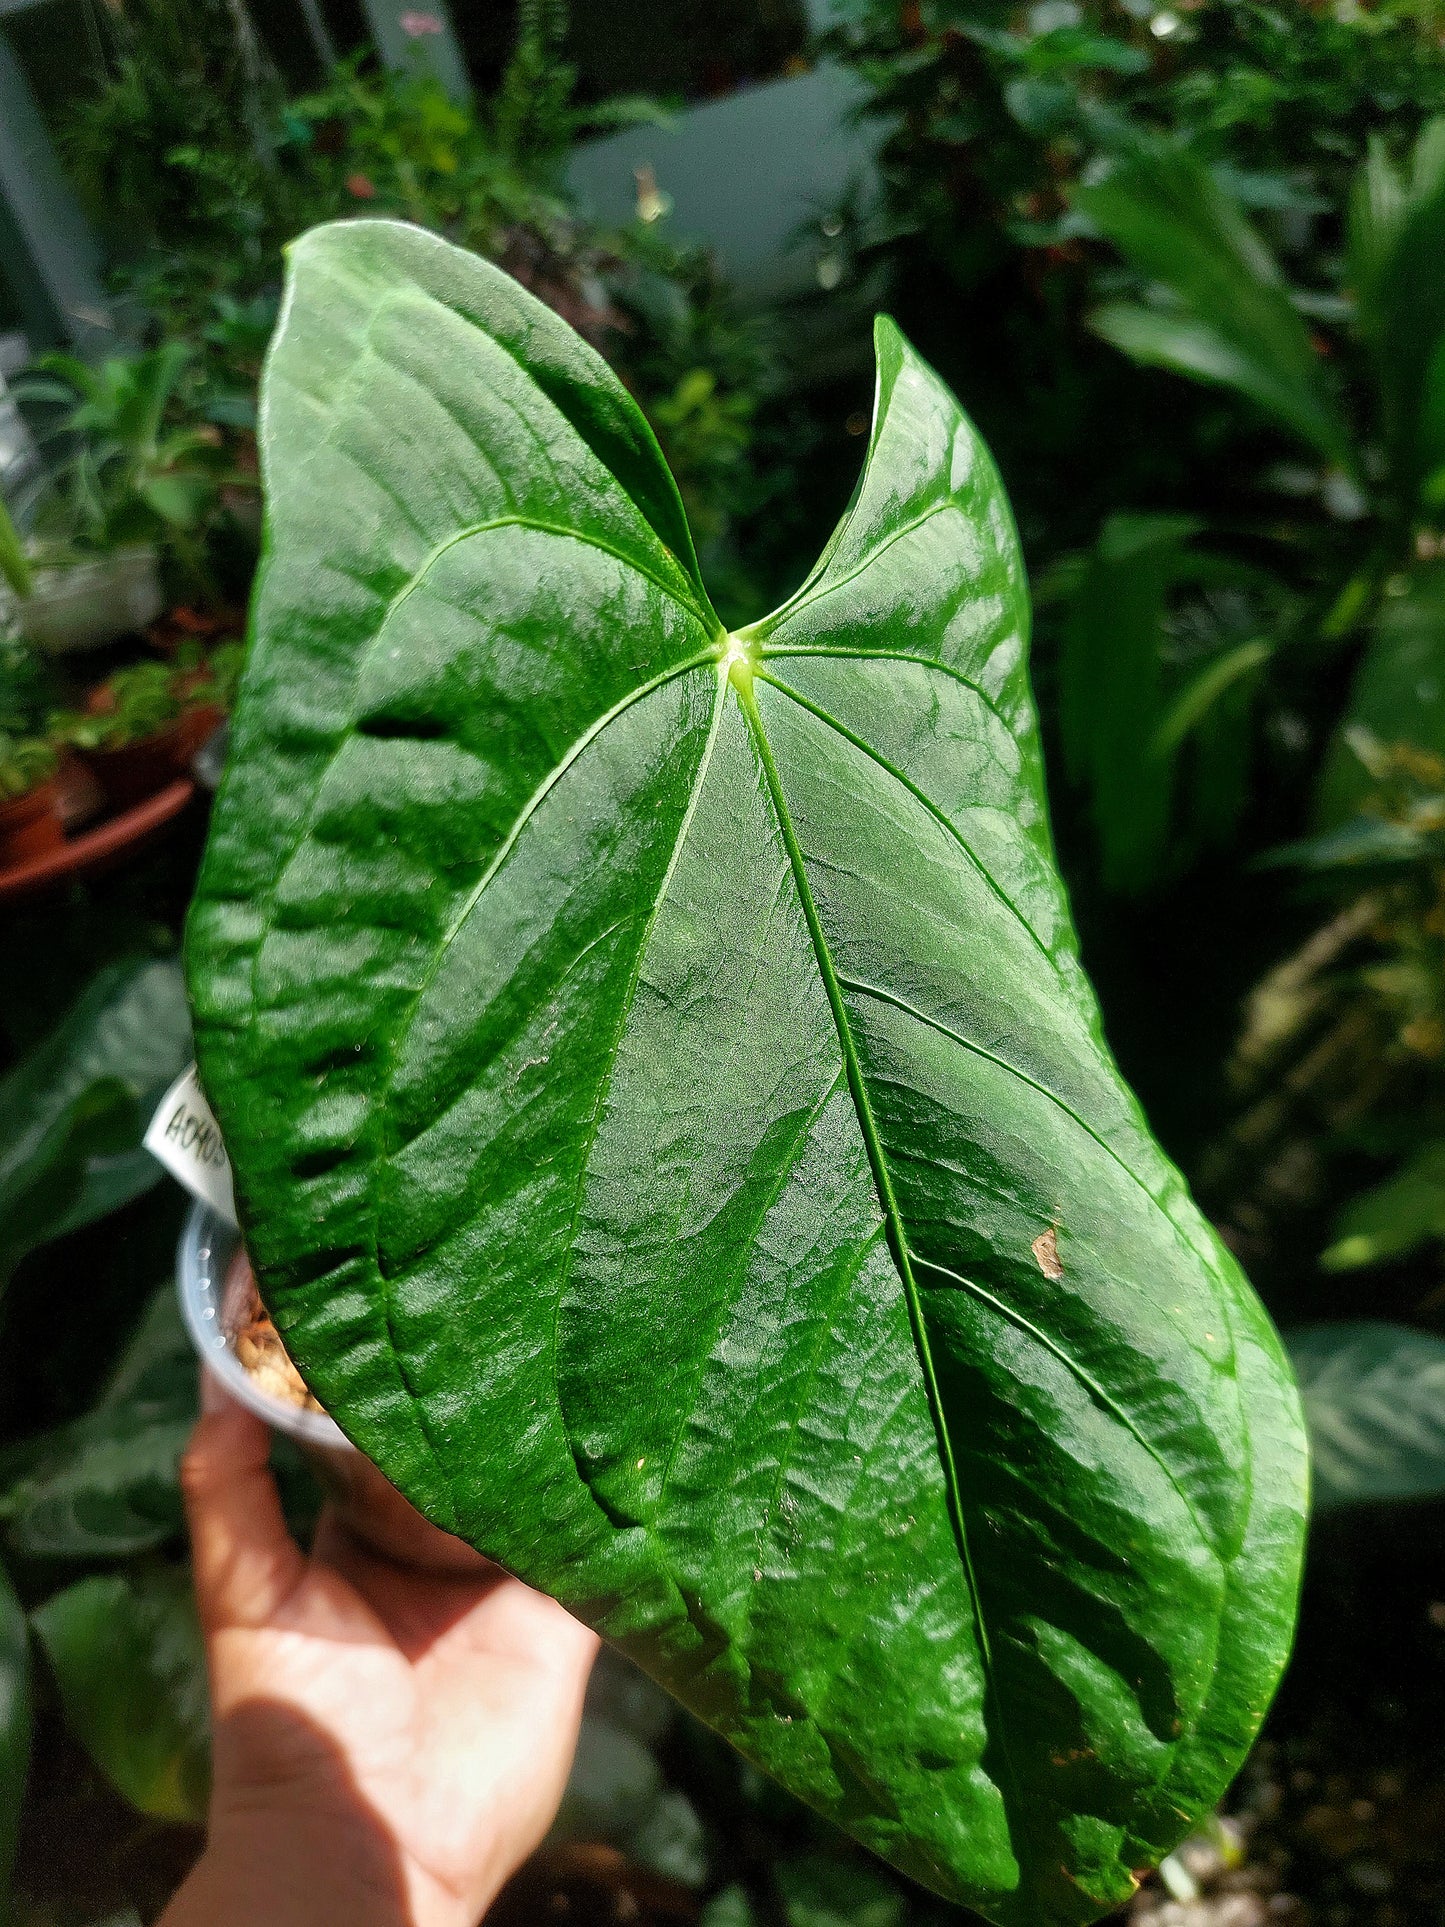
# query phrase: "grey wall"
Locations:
[[744, 174]]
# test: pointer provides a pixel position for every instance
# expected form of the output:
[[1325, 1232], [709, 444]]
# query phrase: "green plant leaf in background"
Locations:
[[14, 1728], [1162, 750], [1394, 1218], [1396, 258], [1398, 693], [730, 1908], [672, 1125], [105, 1485], [14, 568], [825, 1891], [1110, 694], [1206, 689], [126, 1652], [72, 1113], [85, 1166], [616, 1792], [1374, 1397], [1230, 320]]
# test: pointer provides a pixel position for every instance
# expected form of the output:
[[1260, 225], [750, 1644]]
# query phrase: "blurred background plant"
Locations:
[[131, 463], [1185, 263], [188, 129]]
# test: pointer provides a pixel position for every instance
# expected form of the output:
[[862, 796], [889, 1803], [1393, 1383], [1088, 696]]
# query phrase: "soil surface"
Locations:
[[256, 1341]]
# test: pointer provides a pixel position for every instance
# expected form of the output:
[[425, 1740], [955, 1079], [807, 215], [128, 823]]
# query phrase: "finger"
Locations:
[[246, 1562]]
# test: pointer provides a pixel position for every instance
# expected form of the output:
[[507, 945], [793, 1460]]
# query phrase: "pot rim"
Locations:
[[166, 737], [41, 798], [207, 1245]]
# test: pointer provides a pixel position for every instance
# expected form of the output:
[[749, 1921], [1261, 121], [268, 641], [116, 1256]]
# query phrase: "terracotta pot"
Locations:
[[31, 825], [130, 774], [199, 725], [137, 770]]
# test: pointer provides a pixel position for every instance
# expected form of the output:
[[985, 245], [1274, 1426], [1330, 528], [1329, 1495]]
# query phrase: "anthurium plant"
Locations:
[[671, 1123]]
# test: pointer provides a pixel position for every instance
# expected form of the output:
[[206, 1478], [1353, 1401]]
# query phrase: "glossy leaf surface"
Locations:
[[671, 1124], [1374, 1397]]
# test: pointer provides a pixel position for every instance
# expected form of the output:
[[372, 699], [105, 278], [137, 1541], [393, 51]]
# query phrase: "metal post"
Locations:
[[410, 33], [59, 268], [320, 33]]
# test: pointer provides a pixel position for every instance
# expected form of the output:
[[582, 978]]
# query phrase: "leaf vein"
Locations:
[[1085, 1378], [939, 815], [892, 1218], [809, 595], [745, 1244], [605, 1082], [992, 1057], [831, 651]]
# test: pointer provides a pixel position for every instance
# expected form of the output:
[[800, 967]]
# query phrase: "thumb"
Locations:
[[246, 1562]]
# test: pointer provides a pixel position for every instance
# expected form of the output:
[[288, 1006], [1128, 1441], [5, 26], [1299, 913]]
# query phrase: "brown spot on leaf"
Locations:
[[1046, 1250]]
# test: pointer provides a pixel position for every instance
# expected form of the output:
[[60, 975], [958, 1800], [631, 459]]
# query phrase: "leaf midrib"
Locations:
[[1016, 1805], [892, 1216], [934, 1023], [940, 816]]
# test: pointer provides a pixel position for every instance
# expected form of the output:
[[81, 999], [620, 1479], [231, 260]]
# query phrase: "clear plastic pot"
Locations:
[[369, 1504], [85, 605]]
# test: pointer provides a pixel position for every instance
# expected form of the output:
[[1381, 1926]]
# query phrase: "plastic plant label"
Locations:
[[185, 1137]]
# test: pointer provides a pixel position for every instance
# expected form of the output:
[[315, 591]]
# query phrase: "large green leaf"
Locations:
[[106, 1485], [670, 1120], [1374, 1398], [1396, 235], [126, 1651], [1395, 1217], [72, 1112], [1110, 691], [1230, 320], [14, 1728]]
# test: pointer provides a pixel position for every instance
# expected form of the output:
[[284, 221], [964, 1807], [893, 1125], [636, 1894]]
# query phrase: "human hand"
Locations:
[[389, 1745]]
